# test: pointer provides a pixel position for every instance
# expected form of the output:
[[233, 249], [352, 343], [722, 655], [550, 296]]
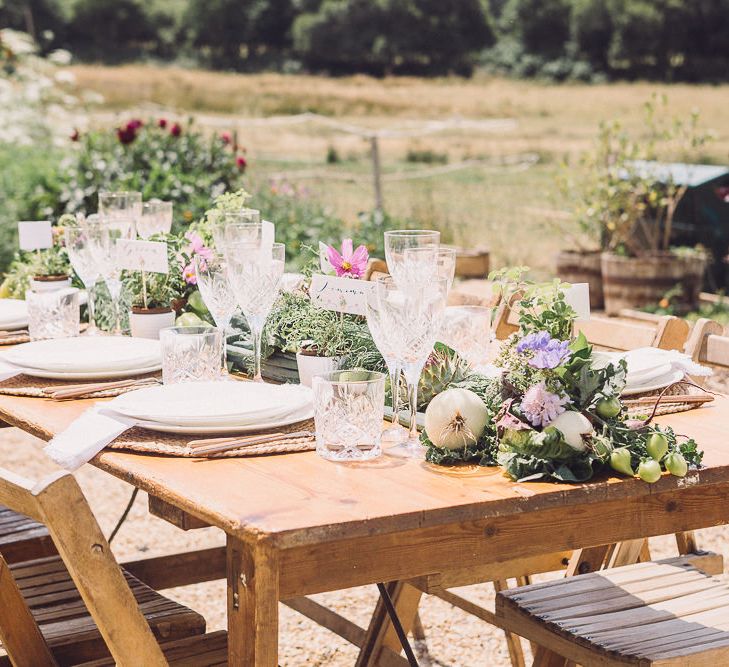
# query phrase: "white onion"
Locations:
[[455, 418], [573, 425]]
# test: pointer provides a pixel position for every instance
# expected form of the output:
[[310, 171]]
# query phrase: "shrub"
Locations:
[[159, 158]]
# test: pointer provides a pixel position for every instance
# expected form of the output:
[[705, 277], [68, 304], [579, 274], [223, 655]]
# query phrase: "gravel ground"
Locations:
[[454, 639]]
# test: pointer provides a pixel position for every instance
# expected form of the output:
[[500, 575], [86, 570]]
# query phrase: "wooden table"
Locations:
[[297, 524]]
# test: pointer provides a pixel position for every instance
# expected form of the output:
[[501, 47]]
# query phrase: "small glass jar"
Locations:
[[348, 413], [191, 354], [54, 314]]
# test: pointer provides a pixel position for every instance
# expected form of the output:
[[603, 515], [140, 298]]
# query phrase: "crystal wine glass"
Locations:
[[255, 272], [82, 258], [221, 220], [102, 239], [412, 319], [393, 433], [213, 283], [468, 330], [155, 218], [122, 210], [415, 267]]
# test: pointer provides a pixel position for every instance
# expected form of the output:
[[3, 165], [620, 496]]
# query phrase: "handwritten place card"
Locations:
[[268, 233], [143, 255], [344, 295], [35, 234]]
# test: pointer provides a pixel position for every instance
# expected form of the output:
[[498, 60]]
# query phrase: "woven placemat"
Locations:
[[635, 408], [15, 339], [141, 440], [25, 385]]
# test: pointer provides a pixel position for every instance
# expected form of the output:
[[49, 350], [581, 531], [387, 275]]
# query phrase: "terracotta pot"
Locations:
[[49, 283], [311, 365], [574, 266], [637, 282], [146, 323]]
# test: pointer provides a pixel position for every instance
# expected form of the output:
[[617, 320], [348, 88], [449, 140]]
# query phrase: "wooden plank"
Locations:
[[174, 515], [327, 618], [183, 569], [466, 576], [19, 633], [253, 596], [697, 344], [417, 553], [92, 566], [16, 493]]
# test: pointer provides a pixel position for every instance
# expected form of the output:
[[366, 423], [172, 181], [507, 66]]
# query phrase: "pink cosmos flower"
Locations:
[[226, 137], [348, 263], [189, 274], [197, 246]]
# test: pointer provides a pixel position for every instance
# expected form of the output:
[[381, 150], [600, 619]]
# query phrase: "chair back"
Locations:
[[611, 333], [58, 502], [708, 344]]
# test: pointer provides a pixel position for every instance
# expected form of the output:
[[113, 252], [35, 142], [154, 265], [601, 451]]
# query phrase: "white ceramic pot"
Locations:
[[310, 365], [148, 324], [49, 285]]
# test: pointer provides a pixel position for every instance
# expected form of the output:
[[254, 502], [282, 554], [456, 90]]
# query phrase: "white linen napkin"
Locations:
[[85, 438]]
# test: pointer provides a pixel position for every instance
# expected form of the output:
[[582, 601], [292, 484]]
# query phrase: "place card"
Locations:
[[143, 255], [343, 295], [268, 234], [577, 295], [325, 266], [35, 234]]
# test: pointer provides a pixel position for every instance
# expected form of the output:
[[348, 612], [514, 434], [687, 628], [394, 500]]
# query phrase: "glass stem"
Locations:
[[90, 306], [413, 396], [395, 390], [256, 333]]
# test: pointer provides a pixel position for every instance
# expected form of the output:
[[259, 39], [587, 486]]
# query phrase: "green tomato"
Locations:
[[649, 471], [607, 408], [620, 461], [676, 464], [195, 301], [190, 320], [657, 445]]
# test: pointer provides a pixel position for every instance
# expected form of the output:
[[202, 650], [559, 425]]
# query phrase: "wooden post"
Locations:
[[252, 605], [376, 171]]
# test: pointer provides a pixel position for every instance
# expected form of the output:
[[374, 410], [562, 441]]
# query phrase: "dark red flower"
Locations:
[[134, 124], [75, 135], [126, 134], [241, 162], [225, 137], [176, 130], [162, 122]]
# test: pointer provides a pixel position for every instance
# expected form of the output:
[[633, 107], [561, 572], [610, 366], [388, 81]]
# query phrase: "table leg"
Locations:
[[252, 604]]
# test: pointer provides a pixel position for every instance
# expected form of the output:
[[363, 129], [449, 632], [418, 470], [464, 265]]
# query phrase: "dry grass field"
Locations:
[[506, 208]]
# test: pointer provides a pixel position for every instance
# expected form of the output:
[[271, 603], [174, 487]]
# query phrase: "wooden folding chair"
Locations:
[[79, 605], [708, 344]]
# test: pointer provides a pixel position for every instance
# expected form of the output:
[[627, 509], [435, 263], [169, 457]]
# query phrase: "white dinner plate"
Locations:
[[86, 354], [90, 375], [655, 384], [293, 418], [13, 314], [208, 403]]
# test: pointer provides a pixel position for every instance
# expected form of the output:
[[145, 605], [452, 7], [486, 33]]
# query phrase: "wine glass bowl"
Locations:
[[397, 242]]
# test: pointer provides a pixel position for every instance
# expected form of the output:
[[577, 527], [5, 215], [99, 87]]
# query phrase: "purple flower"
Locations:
[[547, 352], [541, 406]]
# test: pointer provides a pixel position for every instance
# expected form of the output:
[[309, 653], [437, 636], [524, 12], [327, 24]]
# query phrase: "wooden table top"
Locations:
[[299, 499]]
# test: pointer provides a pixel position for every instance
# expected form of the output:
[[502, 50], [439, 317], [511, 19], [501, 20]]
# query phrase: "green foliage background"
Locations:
[[555, 39]]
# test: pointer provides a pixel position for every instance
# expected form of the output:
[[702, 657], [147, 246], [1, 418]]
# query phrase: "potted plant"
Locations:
[[49, 269], [155, 297], [627, 203]]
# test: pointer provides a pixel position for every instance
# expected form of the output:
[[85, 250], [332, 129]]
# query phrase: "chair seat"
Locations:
[[658, 613], [202, 651], [66, 624], [22, 538]]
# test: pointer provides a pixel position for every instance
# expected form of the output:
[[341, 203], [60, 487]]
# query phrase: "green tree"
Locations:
[[392, 36], [542, 26], [591, 31]]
